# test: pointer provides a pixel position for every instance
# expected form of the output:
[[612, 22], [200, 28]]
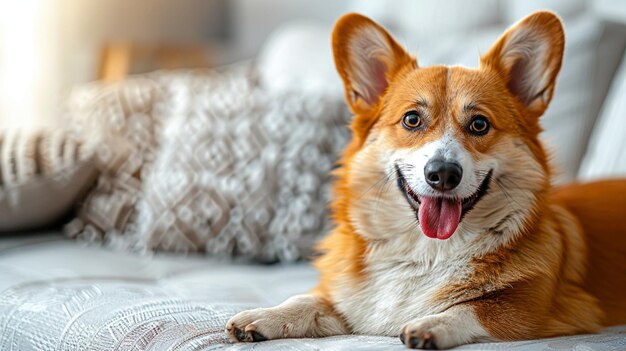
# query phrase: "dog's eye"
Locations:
[[479, 125], [411, 120]]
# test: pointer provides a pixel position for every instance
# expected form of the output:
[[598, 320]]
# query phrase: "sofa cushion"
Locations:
[[425, 19], [209, 161], [606, 153], [42, 174], [514, 10], [124, 120], [243, 172]]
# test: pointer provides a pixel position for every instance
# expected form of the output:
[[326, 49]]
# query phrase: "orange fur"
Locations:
[[600, 208]]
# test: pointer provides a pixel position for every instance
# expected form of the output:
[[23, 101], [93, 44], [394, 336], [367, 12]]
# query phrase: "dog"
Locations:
[[447, 228]]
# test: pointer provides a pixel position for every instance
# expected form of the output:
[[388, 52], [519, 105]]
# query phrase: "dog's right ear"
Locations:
[[367, 57]]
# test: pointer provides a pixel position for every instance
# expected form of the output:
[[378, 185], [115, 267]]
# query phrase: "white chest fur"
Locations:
[[396, 290]]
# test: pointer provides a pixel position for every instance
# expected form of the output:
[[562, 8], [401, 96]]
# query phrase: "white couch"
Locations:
[[56, 294]]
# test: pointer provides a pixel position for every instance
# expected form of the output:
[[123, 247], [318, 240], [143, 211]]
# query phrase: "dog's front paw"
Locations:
[[265, 324], [301, 316], [252, 325], [430, 333]]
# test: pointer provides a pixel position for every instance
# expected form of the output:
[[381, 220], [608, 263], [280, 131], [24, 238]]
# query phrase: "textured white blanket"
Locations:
[[58, 295]]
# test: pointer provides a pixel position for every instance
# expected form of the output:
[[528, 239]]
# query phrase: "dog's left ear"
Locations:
[[367, 58], [528, 57]]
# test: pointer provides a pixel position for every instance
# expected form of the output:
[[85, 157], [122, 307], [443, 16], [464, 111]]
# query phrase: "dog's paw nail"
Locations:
[[415, 343], [240, 334], [256, 336], [425, 342], [429, 344]]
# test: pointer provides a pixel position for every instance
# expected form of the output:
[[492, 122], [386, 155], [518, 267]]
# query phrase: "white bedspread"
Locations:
[[58, 295]]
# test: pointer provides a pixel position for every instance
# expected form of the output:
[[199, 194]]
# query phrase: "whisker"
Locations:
[[384, 178], [383, 187], [507, 195]]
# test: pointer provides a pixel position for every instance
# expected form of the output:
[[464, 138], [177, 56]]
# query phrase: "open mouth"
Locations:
[[439, 216]]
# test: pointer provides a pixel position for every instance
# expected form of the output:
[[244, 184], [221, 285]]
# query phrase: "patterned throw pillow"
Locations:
[[224, 167], [124, 121], [42, 174]]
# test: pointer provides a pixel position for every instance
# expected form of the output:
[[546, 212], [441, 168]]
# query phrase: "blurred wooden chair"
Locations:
[[119, 59]]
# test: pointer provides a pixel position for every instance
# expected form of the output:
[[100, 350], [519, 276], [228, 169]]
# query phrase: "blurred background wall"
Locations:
[[49, 46]]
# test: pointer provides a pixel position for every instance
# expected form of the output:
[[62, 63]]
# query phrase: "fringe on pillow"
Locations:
[[25, 155]]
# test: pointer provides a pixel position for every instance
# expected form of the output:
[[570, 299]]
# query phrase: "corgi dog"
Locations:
[[447, 228]]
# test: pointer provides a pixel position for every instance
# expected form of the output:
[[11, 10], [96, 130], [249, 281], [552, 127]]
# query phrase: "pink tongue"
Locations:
[[439, 217]]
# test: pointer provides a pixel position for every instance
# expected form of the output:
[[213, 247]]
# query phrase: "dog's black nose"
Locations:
[[442, 175]]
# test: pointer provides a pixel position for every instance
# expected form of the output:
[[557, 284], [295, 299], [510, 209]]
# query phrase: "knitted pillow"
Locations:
[[125, 120], [244, 173], [223, 166], [42, 174]]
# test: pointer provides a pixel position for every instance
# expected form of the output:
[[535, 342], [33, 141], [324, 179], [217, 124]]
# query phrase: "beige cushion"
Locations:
[[42, 174], [248, 178], [209, 161]]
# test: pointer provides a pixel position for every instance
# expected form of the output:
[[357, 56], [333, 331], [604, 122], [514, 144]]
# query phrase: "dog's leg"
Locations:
[[456, 326], [298, 317]]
